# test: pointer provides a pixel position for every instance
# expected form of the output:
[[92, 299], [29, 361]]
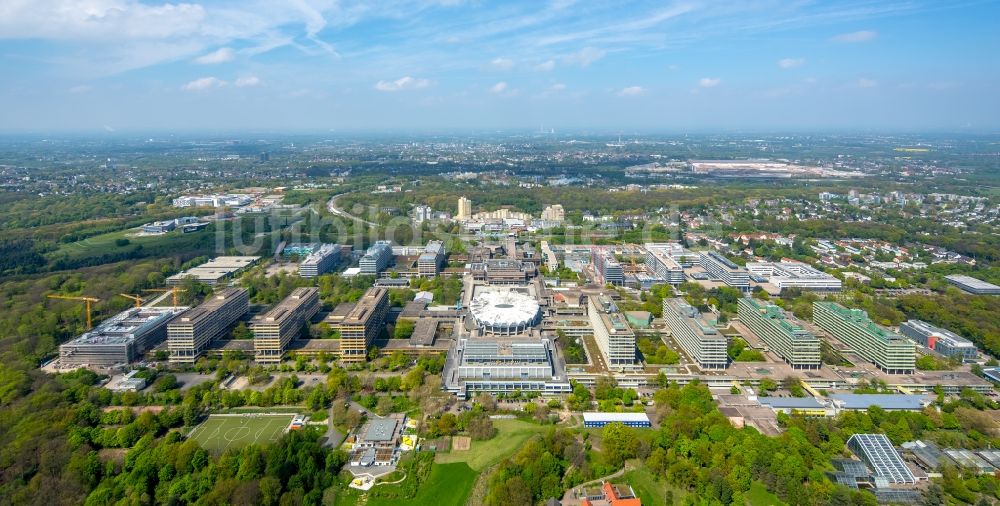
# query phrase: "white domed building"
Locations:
[[504, 313]]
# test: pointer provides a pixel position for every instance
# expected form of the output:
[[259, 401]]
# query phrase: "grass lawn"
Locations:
[[105, 244], [511, 434], [220, 432], [649, 489], [759, 496], [447, 485]]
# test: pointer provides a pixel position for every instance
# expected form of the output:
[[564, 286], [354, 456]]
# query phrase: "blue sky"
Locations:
[[125, 65]]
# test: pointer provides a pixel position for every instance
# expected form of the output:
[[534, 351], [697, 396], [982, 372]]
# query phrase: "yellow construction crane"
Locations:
[[173, 291], [138, 300], [87, 300]]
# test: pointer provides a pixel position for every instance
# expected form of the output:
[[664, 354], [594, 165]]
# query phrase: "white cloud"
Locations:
[[546, 66], [246, 82], [221, 55], [557, 87], [709, 82], [585, 56], [499, 87], [631, 91], [859, 36], [204, 83], [790, 63], [403, 83], [866, 83], [502, 64]]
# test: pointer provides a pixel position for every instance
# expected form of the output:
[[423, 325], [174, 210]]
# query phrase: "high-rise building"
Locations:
[[284, 322], [724, 270], [794, 344], [430, 261], [362, 324], [940, 340], [700, 339], [422, 213], [464, 209], [553, 212], [891, 352], [608, 267], [661, 261], [611, 331], [193, 330], [377, 258], [318, 262]]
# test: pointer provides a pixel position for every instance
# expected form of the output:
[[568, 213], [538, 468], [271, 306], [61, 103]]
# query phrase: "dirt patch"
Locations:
[[461, 443]]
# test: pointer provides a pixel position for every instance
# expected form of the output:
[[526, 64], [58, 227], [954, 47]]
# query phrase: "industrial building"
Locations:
[[320, 261], [593, 419], [121, 339], [661, 261], [611, 331], [213, 271], [890, 352], [283, 323], [430, 261], [491, 365], [940, 340], [700, 339], [193, 330], [359, 328], [973, 285], [721, 268], [794, 344], [376, 259], [877, 452], [608, 268], [794, 275]]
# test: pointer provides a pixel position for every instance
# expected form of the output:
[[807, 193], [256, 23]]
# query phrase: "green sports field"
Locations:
[[222, 431]]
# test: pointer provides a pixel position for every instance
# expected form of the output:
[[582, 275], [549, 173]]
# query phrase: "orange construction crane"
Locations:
[[87, 300], [173, 291], [138, 300]]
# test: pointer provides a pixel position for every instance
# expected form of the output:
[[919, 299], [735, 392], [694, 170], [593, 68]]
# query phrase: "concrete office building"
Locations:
[[721, 268], [215, 270], [700, 339], [973, 285], [553, 212], [376, 259], [608, 268], [193, 330], [283, 323], [362, 325], [498, 271], [489, 365], [318, 262], [890, 352], [611, 331], [791, 342], [940, 340], [464, 209], [661, 262], [430, 261], [121, 339], [795, 275]]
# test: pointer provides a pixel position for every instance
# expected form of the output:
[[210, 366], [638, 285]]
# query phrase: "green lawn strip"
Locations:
[[447, 485], [511, 434], [759, 496], [651, 490]]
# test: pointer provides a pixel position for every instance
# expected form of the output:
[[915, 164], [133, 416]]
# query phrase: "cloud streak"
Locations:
[[855, 37], [791, 63], [403, 83], [222, 55]]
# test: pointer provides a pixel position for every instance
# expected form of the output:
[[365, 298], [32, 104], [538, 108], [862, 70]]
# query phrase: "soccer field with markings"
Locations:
[[222, 431]]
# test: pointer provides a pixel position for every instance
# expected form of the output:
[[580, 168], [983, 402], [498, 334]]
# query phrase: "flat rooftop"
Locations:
[[972, 282], [380, 429], [125, 326]]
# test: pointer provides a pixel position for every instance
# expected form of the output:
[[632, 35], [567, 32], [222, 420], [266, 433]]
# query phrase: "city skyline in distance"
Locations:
[[126, 66]]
